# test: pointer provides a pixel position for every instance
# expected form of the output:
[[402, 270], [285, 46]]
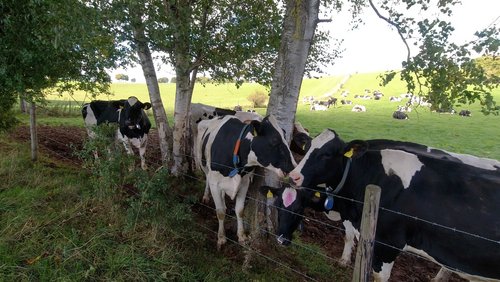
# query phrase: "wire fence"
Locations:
[[316, 221]]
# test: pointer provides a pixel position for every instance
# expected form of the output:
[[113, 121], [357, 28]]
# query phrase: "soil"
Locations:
[[60, 143]]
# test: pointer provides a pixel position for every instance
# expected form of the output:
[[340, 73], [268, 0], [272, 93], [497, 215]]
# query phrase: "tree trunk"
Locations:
[[182, 153], [301, 19], [146, 60], [186, 76], [22, 104], [300, 23], [34, 138]]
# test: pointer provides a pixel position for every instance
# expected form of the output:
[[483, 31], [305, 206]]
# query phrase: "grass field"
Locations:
[[476, 135]]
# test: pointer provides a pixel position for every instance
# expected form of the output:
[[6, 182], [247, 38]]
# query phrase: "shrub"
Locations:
[[258, 99]]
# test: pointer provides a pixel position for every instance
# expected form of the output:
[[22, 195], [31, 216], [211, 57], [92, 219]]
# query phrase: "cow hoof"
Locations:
[[205, 200], [344, 262], [242, 239], [220, 242]]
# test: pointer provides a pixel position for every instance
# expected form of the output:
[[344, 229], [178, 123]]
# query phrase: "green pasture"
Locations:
[[476, 135]]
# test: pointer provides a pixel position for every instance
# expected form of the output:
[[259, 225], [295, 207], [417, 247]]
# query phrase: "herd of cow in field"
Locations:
[[320, 104], [437, 204]]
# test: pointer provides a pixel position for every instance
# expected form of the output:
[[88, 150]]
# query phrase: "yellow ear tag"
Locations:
[[269, 194], [304, 147], [254, 132], [349, 153], [317, 195]]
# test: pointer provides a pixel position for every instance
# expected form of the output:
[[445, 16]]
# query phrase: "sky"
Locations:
[[375, 46]]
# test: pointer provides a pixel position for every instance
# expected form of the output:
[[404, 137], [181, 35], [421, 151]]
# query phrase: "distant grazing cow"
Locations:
[[228, 150], [346, 102], [404, 109], [437, 204], [394, 99], [238, 108], [399, 115], [134, 124], [465, 113], [344, 93], [318, 107], [377, 95], [358, 108], [308, 100]]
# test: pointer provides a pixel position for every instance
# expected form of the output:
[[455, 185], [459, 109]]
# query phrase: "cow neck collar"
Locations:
[[236, 158], [342, 181]]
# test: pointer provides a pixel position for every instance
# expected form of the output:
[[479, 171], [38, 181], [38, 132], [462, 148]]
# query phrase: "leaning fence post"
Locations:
[[364, 253]]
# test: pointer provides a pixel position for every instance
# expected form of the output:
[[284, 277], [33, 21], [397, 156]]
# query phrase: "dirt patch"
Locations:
[[60, 143]]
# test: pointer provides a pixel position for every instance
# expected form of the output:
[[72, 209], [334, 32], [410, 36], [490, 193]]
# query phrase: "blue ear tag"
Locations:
[[233, 172], [236, 159], [329, 203]]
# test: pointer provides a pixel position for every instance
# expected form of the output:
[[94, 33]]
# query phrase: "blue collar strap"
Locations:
[[331, 192], [236, 158]]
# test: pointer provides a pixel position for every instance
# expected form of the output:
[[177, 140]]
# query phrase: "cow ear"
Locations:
[[118, 104], [355, 149], [256, 127], [146, 106]]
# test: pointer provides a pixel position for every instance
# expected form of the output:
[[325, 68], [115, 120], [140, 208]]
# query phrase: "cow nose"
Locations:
[[296, 177]]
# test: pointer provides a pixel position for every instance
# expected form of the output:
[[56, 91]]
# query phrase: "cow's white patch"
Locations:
[[249, 136], [289, 196], [132, 101], [403, 164], [350, 234], [90, 119], [484, 163], [384, 274], [408, 248], [316, 143], [228, 185], [333, 215]]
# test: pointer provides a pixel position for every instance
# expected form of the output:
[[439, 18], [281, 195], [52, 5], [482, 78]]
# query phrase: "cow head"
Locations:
[[325, 160], [269, 148], [132, 116], [290, 203]]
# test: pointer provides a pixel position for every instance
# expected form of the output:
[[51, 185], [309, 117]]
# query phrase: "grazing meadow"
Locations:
[[477, 135]]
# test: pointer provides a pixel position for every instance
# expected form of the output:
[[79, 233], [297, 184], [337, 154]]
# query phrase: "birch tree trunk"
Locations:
[[301, 19], [146, 60], [300, 23], [182, 153]]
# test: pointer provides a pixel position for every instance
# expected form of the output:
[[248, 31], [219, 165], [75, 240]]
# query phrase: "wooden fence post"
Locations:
[[364, 254]]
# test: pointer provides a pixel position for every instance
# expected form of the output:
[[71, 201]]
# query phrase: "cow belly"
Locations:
[[466, 276], [228, 185]]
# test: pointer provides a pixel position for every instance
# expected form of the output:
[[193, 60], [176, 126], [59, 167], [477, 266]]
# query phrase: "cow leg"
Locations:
[[220, 209], [350, 234], [206, 195], [239, 207], [141, 144], [383, 260]]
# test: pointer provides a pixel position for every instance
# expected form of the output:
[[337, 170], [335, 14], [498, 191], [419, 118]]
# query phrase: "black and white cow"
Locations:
[[437, 189], [134, 124], [399, 115], [228, 150]]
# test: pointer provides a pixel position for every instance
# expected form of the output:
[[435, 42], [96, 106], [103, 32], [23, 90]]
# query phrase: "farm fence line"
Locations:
[[303, 246]]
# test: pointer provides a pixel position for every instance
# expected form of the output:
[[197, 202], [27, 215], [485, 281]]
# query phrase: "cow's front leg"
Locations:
[[240, 206], [384, 256], [142, 151], [350, 234]]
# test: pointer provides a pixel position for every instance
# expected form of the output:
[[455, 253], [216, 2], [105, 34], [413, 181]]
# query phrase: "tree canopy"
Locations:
[[56, 44]]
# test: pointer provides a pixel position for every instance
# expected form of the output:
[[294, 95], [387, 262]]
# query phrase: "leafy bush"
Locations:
[[163, 80], [258, 99]]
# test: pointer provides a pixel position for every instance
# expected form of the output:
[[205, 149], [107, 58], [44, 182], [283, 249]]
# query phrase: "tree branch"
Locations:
[[396, 25]]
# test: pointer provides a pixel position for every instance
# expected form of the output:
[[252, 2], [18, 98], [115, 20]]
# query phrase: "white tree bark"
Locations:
[[300, 23], [146, 61]]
